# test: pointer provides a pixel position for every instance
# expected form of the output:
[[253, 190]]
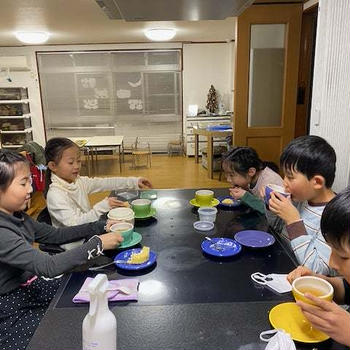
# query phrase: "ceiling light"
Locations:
[[158, 34], [32, 37]]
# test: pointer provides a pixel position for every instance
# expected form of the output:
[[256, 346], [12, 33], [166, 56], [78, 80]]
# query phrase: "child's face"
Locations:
[[298, 185], [16, 197], [236, 179], [340, 260], [68, 168]]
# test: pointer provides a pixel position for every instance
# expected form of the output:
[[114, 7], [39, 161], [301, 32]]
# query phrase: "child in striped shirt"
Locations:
[[308, 163]]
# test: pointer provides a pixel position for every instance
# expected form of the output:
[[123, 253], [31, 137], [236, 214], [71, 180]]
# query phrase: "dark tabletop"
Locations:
[[187, 300]]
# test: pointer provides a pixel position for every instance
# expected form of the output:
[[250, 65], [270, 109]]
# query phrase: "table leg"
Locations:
[[196, 147], [88, 161], [210, 157], [93, 162], [120, 159], [123, 153]]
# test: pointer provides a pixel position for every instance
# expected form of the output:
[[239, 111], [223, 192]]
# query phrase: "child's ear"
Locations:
[[318, 182], [251, 172], [51, 165]]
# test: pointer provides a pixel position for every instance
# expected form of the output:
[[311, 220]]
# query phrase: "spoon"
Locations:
[[216, 245], [122, 289]]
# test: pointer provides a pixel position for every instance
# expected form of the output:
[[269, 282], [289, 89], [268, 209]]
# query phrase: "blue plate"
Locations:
[[221, 247], [124, 256], [235, 203], [254, 238]]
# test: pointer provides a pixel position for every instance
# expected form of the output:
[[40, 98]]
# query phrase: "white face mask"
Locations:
[[277, 282], [279, 341]]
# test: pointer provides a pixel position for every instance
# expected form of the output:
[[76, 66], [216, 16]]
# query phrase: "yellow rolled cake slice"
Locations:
[[139, 258], [227, 201]]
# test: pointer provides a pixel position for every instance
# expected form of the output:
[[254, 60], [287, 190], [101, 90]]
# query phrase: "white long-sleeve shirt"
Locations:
[[68, 203]]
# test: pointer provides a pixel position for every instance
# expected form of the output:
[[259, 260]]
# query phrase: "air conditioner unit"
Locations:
[[172, 10], [14, 63]]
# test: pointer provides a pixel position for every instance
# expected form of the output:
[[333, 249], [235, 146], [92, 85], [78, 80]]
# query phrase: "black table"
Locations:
[[187, 300]]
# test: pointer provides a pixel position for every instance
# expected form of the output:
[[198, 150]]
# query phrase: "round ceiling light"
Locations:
[[32, 37], [159, 34]]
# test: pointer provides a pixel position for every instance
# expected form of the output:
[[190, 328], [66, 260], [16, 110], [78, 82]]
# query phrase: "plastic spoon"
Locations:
[[122, 289]]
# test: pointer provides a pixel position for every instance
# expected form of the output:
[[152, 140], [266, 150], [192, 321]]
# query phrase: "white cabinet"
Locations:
[[15, 120], [202, 122]]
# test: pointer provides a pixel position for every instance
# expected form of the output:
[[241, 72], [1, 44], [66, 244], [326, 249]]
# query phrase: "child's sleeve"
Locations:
[[48, 234], [310, 248], [253, 202], [15, 251], [99, 184], [63, 211]]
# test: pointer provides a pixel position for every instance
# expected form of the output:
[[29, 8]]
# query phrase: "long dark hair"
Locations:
[[241, 159], [53, 153], [8, 161]]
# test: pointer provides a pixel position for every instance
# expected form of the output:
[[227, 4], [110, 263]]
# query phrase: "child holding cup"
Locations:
[[248, 176], [24, 294], [308, 163], [67, 191], [327, 316]]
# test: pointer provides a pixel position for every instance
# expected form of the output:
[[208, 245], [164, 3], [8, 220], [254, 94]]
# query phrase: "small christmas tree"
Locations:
[[212, 103]]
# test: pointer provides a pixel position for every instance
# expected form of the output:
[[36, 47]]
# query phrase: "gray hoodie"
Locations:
[[19, 260]]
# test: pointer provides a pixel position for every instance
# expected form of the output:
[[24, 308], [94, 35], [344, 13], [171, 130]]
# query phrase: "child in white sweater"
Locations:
[[67, 194]]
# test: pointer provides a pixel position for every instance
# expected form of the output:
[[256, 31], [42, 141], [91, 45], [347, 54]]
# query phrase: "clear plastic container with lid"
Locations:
[[207, 214]]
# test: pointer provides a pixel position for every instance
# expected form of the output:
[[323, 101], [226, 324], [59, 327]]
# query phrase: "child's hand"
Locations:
[[111, 240], [144, 183], [328, 317], [237, 192], [113, 202], [262, 192], [283, 207], [111, 222], [298, 272]]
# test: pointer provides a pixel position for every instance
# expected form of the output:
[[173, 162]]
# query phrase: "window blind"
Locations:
[[129, 93]]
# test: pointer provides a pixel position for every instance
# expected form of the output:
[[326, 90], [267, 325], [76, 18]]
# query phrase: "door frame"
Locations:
[[291, 15], [306, 70]]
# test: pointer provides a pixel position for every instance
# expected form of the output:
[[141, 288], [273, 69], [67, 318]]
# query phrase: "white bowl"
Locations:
[[122, 214]]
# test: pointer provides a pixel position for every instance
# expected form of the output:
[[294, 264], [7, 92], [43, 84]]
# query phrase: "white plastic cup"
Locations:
[[207, 214], [122, 214]]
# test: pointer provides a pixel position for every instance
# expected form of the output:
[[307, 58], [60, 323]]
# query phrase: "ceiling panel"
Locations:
[[83, 22]]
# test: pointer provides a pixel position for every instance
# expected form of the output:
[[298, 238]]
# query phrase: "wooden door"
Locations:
[[306, 68], [267, 54]]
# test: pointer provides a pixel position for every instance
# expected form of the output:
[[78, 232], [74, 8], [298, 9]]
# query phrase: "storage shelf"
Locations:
[[16, 127], [25, 131], [14, 101], [202, 121], [12, 146], [24, 116]]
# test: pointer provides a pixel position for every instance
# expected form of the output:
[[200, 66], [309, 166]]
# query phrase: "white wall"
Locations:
[[204, 64], [330, 109]]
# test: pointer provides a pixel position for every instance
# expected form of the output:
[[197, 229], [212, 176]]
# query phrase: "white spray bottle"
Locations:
[[100, 324]]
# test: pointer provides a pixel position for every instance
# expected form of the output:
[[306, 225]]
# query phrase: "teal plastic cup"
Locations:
[[125, 229]]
